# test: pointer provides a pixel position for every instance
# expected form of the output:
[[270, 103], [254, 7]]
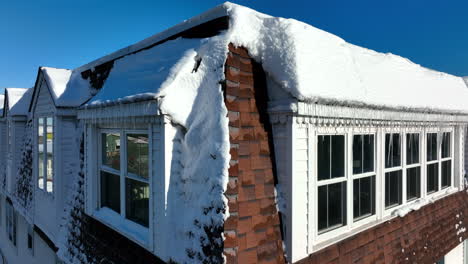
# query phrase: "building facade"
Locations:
[[206, 144]]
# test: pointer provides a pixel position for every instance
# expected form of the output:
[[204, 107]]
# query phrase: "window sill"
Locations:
[[135, 232]]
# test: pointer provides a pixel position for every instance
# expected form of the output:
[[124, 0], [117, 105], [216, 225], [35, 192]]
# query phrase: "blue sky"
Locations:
[[67, 34]]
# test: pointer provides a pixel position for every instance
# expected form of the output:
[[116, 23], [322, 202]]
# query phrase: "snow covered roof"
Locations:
[[67, 87], [18, 100], [308, 63]]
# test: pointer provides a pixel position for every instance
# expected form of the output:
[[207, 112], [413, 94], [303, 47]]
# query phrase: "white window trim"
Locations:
[[36, 151], [320, 239], [118, 222]]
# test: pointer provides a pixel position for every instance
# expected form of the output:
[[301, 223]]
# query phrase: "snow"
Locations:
[[306, 63], [404, 210], [67, 87], [18, 100], [2, 101]]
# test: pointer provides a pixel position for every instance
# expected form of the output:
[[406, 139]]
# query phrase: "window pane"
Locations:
[[431, 146], [323, 156], [332, 206], [137, 201], [446, 173], [413, 183], [338, 156], [446, 145], [322, 207], [392, 150], [110, 191], [111, 150], [432, 177], [50, 153], [137, 154], [364, 197], [363, 154], [368, 154], [412, 148], [40, 153], [393, 187], [357, 154]]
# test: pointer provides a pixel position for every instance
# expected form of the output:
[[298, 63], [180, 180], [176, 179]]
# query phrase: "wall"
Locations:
[[253, 230], [422, 236]]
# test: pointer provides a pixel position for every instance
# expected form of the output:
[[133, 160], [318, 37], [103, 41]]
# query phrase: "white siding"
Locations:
[[44, 103], [455, 256]]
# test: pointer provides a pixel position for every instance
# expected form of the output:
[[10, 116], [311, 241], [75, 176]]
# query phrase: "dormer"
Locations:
[[56, 94]]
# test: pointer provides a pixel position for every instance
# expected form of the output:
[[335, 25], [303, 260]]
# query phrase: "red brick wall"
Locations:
[[422, 236], [253, 230]]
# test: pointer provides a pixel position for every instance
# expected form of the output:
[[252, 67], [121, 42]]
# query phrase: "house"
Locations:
[[242, 138]]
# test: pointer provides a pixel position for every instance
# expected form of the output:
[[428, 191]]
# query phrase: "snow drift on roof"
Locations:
[[67, 87], [310, 64], [2, 102], [18, 100]]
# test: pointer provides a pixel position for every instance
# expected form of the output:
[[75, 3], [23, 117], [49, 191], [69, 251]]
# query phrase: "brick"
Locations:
[[234, 118], [245, 64], [245, 225], [261, 162], [241, 242], [244, 148], [242, 52], [230, 240], [248, 257], [232, 74], [247, 177], [249, 208], [232, 187], [234, 61], [231, 223], [246, 133], [244, 163], [233, 170], [251, 240], [247, 193], [234, 134], [232, 204], [232, 88], [234, 153]]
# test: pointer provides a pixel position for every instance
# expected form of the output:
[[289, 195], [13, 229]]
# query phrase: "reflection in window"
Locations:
[[133, 173], [111, 150], [364, 197], [392, 150], [363, 154], [413, 183], [446, 153], [393, 187], [45, 153], [446, 173], [412, 149], [432, 177], [431, 145], [332, 206], [331, 155]]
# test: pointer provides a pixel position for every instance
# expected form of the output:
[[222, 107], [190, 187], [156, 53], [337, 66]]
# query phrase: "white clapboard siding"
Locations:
[[44, 103]]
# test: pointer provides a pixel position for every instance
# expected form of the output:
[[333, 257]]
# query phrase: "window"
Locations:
[[45, 153], [413, 167], [446, 160], [331, 182], [439, 161], [393, 170], [124, 174], [10, 222], [363, 176]]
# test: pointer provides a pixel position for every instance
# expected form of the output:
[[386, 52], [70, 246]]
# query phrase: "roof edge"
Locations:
[[212, 14]]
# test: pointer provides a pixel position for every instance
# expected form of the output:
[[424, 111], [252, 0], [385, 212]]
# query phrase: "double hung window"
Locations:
[[45, 153], [124, 174], [331, 182], [439, 161]]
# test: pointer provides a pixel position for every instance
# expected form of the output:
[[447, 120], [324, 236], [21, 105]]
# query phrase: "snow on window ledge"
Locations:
[[418, 203], [135, 232]]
